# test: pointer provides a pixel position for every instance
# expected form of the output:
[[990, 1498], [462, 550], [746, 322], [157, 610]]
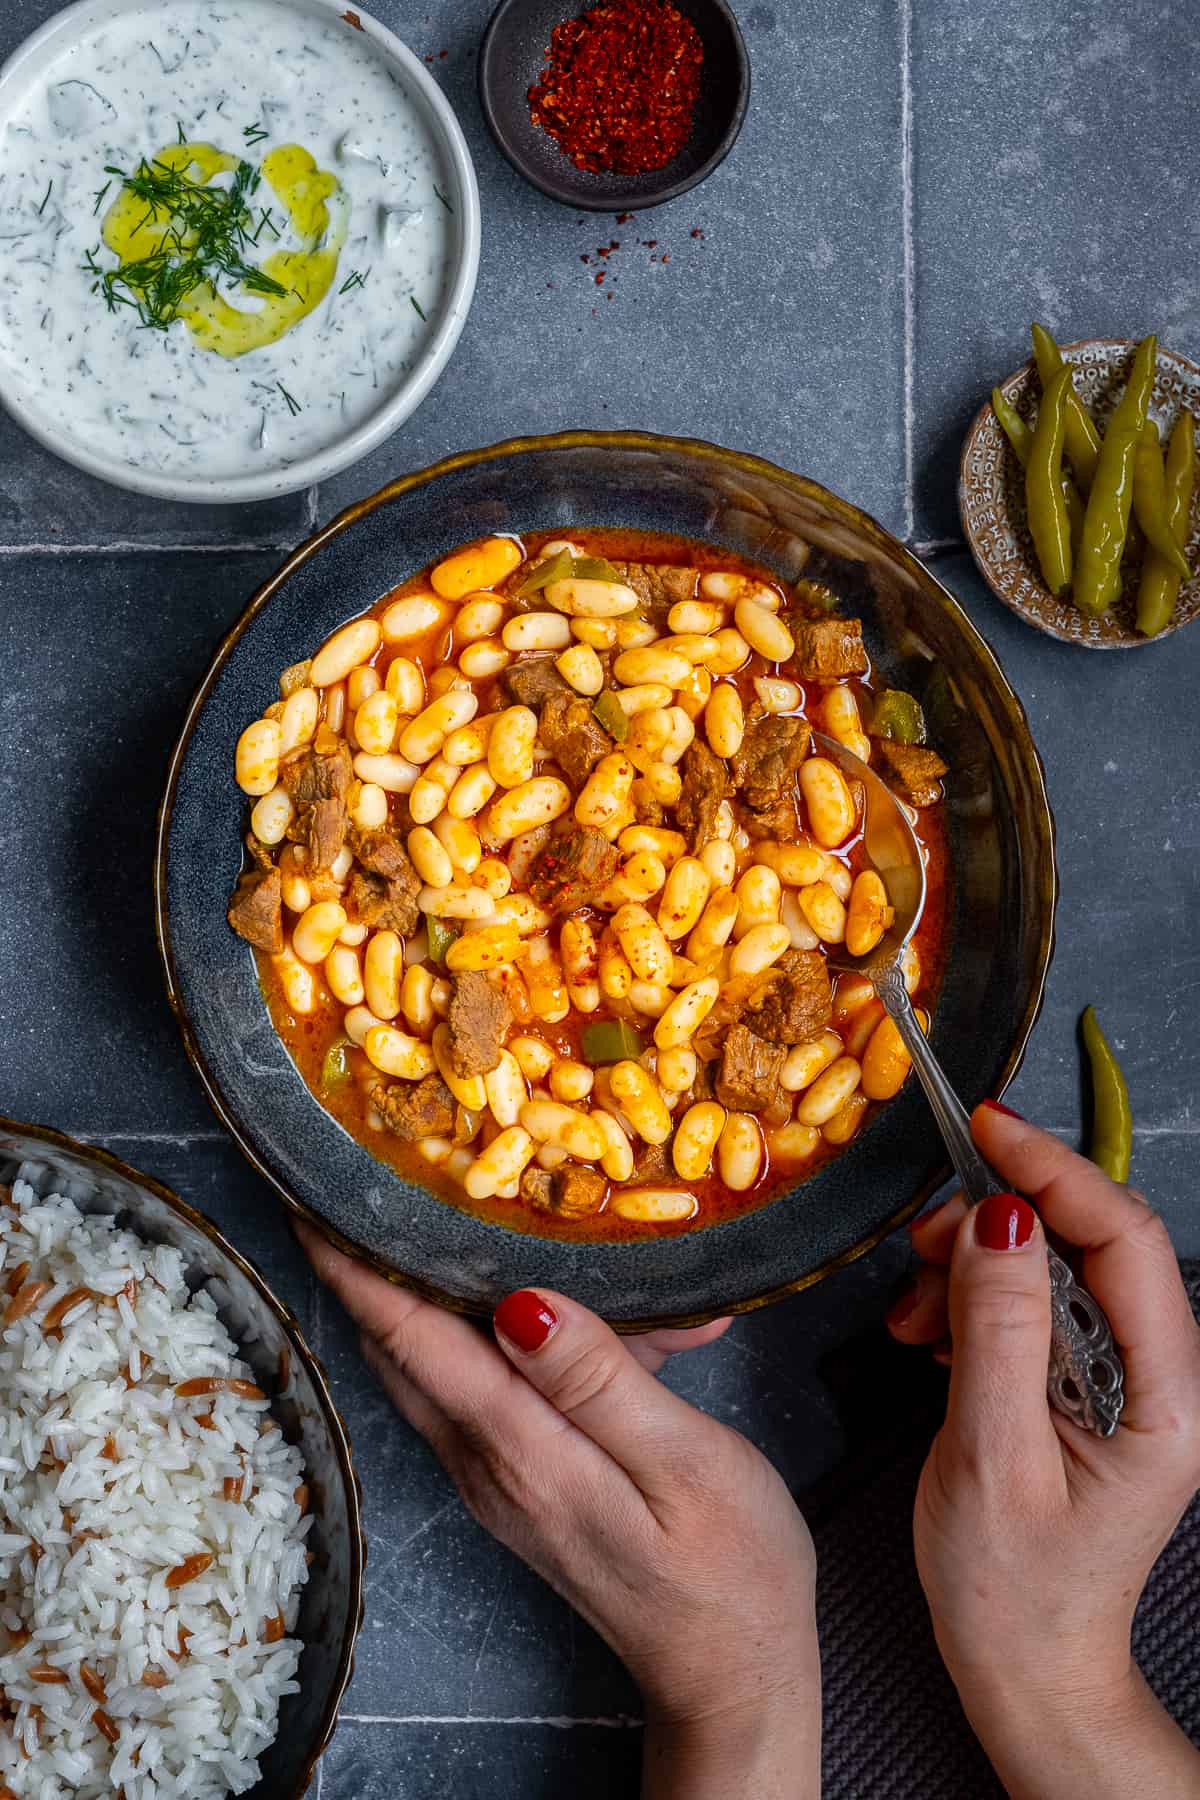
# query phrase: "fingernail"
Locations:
[[904, 1307], [1004, 1222], [525, 1320], [998, 1106]]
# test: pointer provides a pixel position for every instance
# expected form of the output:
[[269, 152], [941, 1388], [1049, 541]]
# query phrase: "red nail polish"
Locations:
[[1004, 1222], [525, 1319], [998, 1106], [904, 1307]]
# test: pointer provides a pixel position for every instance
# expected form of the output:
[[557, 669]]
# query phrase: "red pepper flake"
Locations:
[[619, 90], [352, 18], [696, 232], [600, 278], [624, 218]]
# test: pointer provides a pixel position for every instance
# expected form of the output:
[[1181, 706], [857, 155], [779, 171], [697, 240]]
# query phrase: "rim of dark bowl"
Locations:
[[1046, 870], [338, 1430], [570, 189]]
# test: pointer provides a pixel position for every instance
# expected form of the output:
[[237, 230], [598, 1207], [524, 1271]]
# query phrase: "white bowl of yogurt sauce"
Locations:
[[335, 178]]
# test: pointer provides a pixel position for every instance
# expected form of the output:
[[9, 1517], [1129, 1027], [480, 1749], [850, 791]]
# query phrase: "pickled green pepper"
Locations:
[[1112, 1121], [1106, 522], [1158, 589], [1150, 500], [1020, 436], [1082, 440], [1045, 506]]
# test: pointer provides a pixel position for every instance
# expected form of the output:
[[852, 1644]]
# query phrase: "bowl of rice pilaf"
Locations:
[[181, 1547]]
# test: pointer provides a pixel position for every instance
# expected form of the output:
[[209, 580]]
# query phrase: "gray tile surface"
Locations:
[[785, 329], [1050, 180]]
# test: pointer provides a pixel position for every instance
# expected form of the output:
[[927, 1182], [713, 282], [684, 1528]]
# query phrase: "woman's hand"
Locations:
[[670, 1533], [1034, 1538]]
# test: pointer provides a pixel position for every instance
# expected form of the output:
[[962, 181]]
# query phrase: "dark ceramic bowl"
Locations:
[[511, 59], [269, 1339], [1002, 847]]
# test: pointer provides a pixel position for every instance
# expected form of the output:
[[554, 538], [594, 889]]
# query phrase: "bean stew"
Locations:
[[547, 886]]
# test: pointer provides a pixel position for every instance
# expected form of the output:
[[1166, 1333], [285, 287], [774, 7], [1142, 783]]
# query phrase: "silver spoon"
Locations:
[[1086, 1378]]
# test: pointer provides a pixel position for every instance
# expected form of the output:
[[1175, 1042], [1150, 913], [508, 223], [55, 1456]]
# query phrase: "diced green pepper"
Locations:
[[335, 1070], [441, 935], [563, 566], [552, 568], [897, 715], [593, 568], [610, 1041], [611, 714]]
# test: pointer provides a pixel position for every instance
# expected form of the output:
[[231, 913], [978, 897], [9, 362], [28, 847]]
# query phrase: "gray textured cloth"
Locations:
[[893, 1726]]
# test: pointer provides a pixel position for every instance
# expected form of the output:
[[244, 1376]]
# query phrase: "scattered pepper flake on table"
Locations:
[[619, 90]]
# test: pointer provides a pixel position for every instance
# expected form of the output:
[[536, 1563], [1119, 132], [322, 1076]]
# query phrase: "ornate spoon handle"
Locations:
[[1086, 1377]]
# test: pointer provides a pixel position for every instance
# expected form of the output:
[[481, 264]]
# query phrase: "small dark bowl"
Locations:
[[511, 59], [269, 1339], [1002, 852]]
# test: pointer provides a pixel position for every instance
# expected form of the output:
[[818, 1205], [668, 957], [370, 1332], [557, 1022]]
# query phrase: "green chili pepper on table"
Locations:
[[1150, 500], [1020, 436], [1158, 589], [1106, 522], [1045, 505], [1082, 440], [1112, 1121]]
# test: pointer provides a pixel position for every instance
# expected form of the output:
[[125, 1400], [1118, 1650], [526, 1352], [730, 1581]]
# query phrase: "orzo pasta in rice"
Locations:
[[152, 1521]]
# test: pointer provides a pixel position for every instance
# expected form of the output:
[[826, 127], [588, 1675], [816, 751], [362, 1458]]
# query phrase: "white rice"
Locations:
[[102, 1601]]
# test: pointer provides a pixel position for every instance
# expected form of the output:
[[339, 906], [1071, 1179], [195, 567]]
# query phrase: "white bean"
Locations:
[[352, 645]]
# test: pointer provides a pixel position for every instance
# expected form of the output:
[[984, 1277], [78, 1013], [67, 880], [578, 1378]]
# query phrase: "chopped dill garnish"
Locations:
[[356, 279], [293, 405], [100, 193], [254, 134], [205, 234], [437, 190], [417, 307], [181, 131], [45, 197]]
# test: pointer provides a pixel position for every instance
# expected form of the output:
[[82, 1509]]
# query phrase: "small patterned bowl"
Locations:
[[991, 495]]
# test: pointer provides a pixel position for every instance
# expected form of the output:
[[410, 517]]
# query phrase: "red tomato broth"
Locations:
[[308, 1038]]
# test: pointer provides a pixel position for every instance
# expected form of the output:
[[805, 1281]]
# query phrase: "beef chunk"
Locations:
[[327, 822], [573, 1191], [573, 869], [314, 777], [318, 784], [748, 1079], [765, 764], [385, 895], [647, 810], [478, 1018], [381, 853], [829, 649], [260, 853], [797, 1002], [417, 1109], [537, 1186], [652, 1164], [705, 785], [531, 683], [914, 771], [573, 735], [384, 905], [256, 910], [659, 586]]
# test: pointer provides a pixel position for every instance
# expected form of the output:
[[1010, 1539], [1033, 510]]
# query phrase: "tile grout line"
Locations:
[[559, 1722], [907, 233]]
